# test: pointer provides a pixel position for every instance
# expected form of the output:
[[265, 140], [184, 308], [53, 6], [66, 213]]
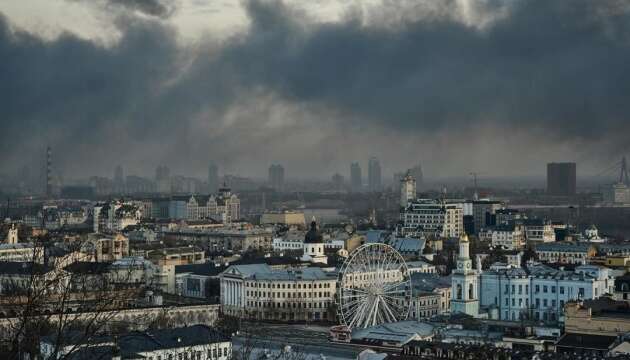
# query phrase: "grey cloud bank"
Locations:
[[550, 80]]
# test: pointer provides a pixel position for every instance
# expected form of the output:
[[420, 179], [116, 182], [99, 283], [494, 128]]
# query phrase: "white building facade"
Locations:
[[465, 283], [433, 217], [258, 292], [541, 292]]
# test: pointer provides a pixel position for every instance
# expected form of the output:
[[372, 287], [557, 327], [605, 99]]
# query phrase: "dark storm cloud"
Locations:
[[157, 8], [552, 67], [560, 65]]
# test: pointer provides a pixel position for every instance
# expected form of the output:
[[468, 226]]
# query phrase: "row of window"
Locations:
[[319, 305], [194, 355], [287, 286], [283, 295], [545, 289]]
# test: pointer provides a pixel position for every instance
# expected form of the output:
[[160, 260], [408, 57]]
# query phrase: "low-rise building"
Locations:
[[420, 266], [423, 217], [622, 288], [177, 256], [258, 292], [597, 317], [283, 218], [565, 252], [538, 231], [199, 281], [225, 239], [197, 342], [539, 292], [21, 252], [433, 283], [509, 237]]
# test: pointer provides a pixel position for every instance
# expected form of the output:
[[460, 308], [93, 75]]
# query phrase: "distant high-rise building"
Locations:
[[374, 175], [163, 179], [213, 178], [561, 179], [407, 190], [49, 189], [338, 181], [276, 177], [356, 182], [119, 182], [417, 174]]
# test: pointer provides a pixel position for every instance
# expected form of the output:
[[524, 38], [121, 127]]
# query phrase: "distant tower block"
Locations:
[[407, 190], [48, 172], [12, 237]]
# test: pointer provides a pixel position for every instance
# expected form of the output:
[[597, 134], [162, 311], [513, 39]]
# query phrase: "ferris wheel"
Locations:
[[373, 287]]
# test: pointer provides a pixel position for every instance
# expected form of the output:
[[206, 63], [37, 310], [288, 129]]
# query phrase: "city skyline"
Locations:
[[142, 85]]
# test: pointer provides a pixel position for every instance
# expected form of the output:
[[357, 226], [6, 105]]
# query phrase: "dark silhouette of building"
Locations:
[[561, 179], [276, 177], [356, 182], [374, 175], [213, 179]]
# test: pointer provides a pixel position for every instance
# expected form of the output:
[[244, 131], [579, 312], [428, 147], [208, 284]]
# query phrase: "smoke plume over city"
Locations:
[[494, 86]]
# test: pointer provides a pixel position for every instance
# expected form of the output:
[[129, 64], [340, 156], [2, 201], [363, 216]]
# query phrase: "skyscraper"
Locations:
[[163, 179], [213, 178], [119, 182], [356, 182], [374, 174], [407, 190], [417, 174], [561, 179], [338, 182], [276, 177], [48, 172]]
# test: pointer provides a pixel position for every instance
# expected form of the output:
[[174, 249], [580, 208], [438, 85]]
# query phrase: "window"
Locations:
[[513, 300], [507, 302], [553, 303], [545, 288], [545, 302], [581, 292], [561, 289], [507, 289], [513, 287], [520, 289], [537, 288]]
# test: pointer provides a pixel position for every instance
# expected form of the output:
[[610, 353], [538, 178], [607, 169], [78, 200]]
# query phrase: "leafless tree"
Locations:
[[53, 300]]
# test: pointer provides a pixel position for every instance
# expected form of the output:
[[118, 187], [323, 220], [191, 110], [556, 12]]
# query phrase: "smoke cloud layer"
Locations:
[[501, 87]]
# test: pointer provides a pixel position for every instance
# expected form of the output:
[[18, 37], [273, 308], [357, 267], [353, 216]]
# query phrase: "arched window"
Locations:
[[459, 291], [470, 291], [624, 287]]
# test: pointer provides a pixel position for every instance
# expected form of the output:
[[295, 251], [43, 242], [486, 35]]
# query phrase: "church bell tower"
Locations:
[[465, 283]]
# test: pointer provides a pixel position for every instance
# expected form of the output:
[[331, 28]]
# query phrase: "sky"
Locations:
[[499, 87]]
